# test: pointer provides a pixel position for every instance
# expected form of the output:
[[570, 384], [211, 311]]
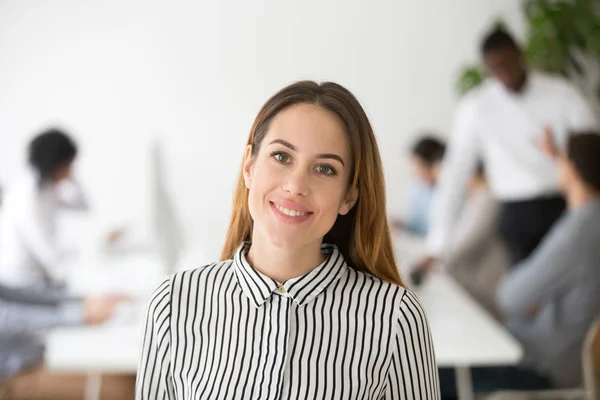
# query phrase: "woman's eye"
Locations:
[[281, 157], [326, 170]]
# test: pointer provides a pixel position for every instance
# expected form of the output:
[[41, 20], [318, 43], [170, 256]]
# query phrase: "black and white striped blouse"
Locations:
[[226, 331]]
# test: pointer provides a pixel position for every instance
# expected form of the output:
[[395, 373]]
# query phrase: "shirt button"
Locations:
[[281, 289]]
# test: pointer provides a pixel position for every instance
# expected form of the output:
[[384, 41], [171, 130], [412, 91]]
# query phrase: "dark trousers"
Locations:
[[492, 379], [523, 224]]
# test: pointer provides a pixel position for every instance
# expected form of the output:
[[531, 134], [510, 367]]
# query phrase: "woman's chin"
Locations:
[[284, 241], [290, 240]]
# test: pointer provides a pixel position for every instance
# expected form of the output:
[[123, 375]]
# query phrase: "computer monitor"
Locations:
[[168, 232]]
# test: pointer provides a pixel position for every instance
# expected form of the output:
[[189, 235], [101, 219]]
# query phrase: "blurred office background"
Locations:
[[160, 99], [118, 74]]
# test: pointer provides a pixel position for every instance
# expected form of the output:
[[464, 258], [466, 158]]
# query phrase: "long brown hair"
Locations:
[[362, 235]]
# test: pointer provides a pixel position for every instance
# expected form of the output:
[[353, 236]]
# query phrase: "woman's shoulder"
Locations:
[[174, 284], [213, 268], [377, 288], [355, 274], [401, 301]]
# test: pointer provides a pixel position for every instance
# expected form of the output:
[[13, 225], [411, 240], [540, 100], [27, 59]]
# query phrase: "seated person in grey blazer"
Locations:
[[476, 257], [551, 299], [24, 314]]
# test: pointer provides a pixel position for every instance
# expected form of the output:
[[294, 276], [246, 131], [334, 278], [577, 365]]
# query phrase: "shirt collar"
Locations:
[[259, 287], [529, 86]]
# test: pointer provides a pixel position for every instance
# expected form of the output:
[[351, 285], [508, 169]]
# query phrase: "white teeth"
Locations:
[[291, 213]]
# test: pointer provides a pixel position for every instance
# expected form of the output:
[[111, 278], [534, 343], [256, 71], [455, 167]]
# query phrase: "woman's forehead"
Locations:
[[310, 129]]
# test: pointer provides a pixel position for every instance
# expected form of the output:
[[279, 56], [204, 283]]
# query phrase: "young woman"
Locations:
[[307, 302], [28, 253]]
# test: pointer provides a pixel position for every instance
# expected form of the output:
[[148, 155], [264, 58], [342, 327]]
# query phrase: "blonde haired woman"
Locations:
[[307, 302]]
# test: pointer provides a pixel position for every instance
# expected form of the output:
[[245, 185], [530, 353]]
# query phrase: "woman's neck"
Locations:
[[283, 263]]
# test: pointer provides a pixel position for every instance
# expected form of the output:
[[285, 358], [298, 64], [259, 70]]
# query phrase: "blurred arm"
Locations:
[[457, 169], [541, 275], [49, 296], [19, 317], [39, 242], [478, 223]]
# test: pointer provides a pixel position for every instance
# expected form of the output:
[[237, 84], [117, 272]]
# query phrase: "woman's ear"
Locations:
[[247, 167], [350, 201]]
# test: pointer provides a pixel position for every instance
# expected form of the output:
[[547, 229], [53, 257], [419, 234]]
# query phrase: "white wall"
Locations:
[[117, 72]]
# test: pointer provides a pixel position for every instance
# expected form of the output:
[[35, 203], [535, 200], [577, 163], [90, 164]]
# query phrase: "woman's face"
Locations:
[[424, 172], [298, 182], [63, 172]]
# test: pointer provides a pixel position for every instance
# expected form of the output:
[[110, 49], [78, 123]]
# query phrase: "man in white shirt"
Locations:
[[501, 123]]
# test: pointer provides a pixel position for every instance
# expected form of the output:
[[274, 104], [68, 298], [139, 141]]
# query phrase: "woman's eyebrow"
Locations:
[[333, 157], [324, 155], [285, 143]]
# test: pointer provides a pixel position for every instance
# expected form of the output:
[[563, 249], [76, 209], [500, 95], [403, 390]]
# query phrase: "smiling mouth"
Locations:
[[290, 212]]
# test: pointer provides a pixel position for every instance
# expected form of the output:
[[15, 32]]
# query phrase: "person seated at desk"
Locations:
[[426, 156], [476, 257], [24, 313], [552, 298], [28, 253]]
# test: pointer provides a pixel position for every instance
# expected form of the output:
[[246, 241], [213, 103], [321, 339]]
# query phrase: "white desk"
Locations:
[[105, 349], [464, 336], [94, 351], [463, 332], [113, 347]]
